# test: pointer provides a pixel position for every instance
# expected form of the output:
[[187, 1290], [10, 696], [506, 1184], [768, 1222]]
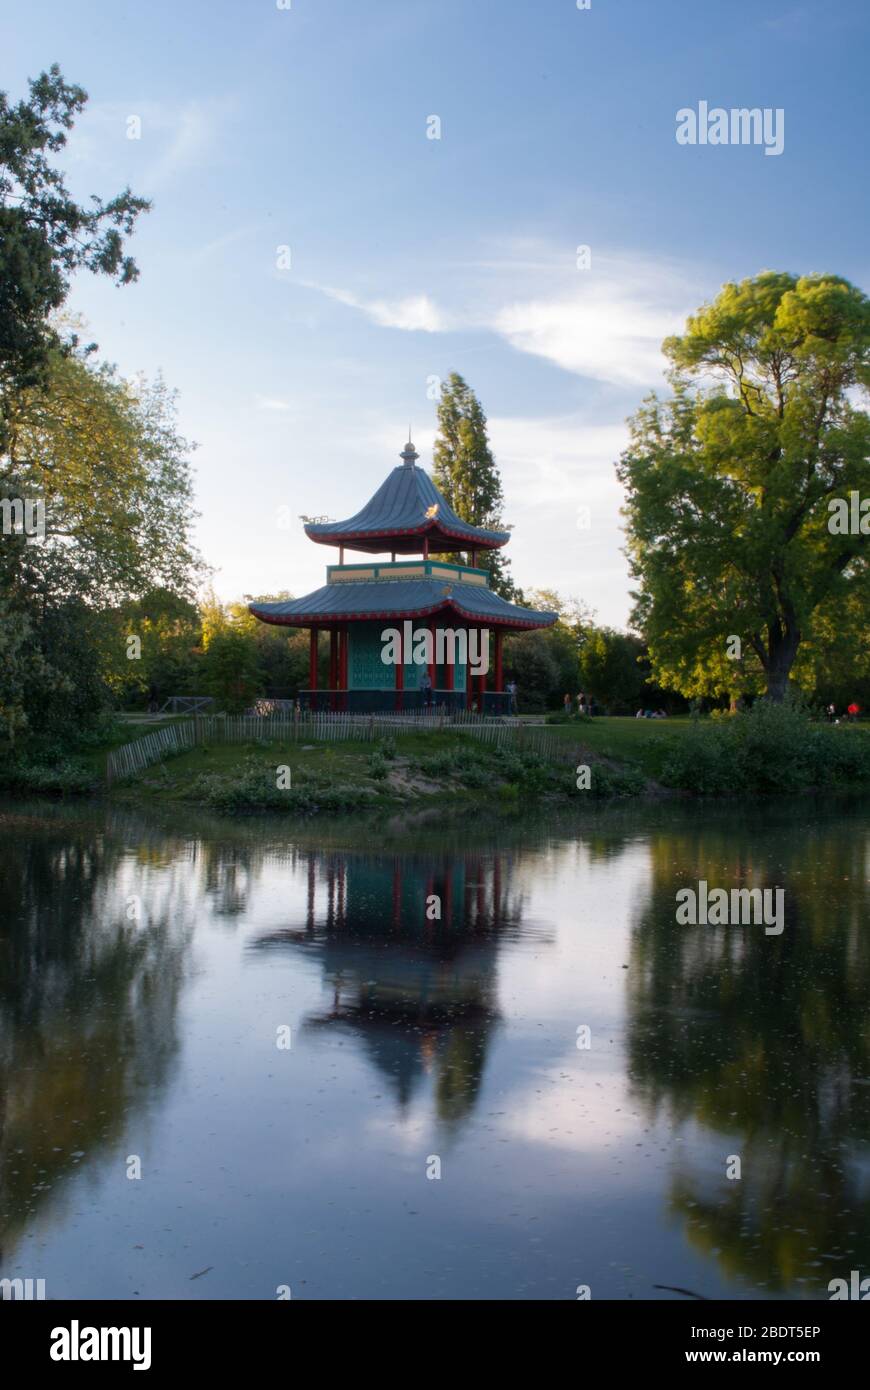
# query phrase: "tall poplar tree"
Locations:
[[467, 474]]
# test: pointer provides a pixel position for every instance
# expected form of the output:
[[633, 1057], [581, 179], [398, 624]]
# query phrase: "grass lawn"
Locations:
[[362, 763], [644, 743], [396, 766], [640, 743]]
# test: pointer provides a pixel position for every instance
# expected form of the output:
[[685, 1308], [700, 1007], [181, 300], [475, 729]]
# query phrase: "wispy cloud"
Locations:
[[415, 313], [606, 323], [189, 132], [172, 138]]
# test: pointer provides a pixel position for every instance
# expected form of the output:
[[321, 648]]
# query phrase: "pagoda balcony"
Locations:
[[386, 570]]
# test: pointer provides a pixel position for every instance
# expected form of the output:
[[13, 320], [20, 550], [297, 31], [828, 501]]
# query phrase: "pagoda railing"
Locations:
[[495, 702]]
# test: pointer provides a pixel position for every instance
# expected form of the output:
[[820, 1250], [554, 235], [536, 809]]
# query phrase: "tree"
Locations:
[[111, 471], [466, 473], [611, 670], [106, 459], [729, 483], [283, 653], [230, 667], [169, 629], [45, 235], [532, 662]]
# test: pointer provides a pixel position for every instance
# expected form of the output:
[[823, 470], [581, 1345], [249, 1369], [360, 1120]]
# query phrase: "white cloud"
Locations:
[[416, 313], [606, 323], [272, 403]]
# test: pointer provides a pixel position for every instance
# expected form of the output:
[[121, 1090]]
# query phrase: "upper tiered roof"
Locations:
[[406, 508]]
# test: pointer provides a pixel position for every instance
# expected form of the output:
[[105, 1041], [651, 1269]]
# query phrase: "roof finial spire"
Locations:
[[409, 454]]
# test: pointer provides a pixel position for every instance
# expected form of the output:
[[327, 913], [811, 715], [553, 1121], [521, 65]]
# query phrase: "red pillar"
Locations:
[[499, 679], [400, 673], [433, 668], [312, 666]]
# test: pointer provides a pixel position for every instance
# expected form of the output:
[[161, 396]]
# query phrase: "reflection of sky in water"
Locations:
[[412, 1038]]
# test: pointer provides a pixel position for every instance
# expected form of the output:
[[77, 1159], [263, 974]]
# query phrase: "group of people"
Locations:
[[651, 714], [427, 693], [584, 704], [852, 712]]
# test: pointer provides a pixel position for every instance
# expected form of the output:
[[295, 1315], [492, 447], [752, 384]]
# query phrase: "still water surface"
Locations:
[[150, 966]]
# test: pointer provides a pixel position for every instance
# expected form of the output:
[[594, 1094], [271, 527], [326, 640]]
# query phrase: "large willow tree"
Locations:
[[729, 483]]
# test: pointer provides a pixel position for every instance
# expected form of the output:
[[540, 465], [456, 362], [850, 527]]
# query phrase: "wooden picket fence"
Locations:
[[135, 757], [305, 728]]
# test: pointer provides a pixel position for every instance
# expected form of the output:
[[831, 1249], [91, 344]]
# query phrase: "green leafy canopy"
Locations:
[[728, 484]]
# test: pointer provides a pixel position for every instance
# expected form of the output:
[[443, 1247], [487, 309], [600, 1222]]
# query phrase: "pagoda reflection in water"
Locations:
[[418, 991]]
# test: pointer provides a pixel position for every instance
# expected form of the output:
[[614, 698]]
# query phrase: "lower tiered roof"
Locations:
[[359, 600]]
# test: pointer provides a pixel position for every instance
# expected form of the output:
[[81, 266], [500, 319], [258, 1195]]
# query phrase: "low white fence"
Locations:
[[246, 728], [134, 757]]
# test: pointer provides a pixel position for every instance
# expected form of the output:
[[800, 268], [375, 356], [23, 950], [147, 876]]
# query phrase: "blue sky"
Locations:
[[411, 257]]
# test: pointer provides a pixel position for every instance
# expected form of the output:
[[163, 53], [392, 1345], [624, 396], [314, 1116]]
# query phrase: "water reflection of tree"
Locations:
[[420, 994], [88, 998], [766, 1041]]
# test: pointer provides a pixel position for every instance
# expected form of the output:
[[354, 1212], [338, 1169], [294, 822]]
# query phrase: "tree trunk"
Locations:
[[782, 647]]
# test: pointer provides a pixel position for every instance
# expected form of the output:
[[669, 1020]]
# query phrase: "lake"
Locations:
[[468, 1060]]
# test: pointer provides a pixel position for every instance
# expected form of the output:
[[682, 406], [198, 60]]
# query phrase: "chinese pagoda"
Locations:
[[406, 516]]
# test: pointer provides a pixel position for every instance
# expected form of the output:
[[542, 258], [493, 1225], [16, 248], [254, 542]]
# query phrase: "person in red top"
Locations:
[[853, 710]]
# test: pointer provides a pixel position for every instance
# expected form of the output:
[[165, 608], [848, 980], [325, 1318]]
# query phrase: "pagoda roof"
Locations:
[[400, 598], [406, 508]]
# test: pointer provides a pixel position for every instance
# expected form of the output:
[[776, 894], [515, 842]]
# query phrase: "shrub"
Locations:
[[770, 748], [61, 777], [377, 765], [254, 790]]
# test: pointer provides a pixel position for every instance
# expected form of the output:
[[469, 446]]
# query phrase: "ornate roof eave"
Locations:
[[456, 540], [321, 619]]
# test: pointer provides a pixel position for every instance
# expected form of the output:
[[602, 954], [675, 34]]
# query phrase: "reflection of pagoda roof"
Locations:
[[406, 506], [401, 598]]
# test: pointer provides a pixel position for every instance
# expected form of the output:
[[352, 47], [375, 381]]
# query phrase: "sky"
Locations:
[[316, 261]]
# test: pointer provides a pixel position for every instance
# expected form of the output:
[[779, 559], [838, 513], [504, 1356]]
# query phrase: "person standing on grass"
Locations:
[[566, 704], [853, 711], [512, 692], [426, 687]]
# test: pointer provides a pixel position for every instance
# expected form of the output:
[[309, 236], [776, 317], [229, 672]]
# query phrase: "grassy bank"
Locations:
[[767, 751], [432, 768]]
